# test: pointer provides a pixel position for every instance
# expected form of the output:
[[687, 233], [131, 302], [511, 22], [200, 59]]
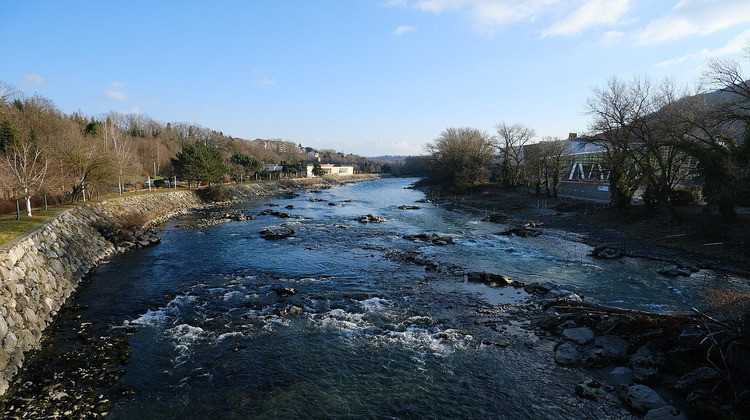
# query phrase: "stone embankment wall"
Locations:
[[40, 270]]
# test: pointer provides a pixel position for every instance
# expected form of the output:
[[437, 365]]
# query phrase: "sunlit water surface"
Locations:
[[377, 338]]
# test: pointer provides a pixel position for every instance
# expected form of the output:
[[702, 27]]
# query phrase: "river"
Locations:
[[366, 335]]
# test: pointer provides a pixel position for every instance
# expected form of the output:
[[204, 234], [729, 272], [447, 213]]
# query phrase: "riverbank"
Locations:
[[42, 269], [701, 239], [661, 365]]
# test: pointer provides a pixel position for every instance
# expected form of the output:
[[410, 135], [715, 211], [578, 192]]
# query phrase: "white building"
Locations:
[[330, 169]]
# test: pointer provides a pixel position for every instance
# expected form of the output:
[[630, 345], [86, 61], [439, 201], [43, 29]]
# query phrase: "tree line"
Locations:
[[650, 134], [45, 152]]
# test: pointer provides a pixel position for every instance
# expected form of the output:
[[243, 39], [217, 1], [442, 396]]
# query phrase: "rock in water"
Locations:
[[606, 252], [372, 218], [643, 398], [567, 354], [285, 291], [581, 335], [273, 235]]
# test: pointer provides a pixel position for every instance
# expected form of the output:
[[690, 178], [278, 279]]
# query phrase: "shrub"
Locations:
[[215, 194], [685, 196], [728, 306], [133, 220]]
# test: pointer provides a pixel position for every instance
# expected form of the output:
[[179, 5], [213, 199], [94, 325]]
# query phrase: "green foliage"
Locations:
[[621, 193], [685, 196], [94, 128], [243, 166], [8, 136], [649, 198], [198, 162], [249, 163], [317, 170]]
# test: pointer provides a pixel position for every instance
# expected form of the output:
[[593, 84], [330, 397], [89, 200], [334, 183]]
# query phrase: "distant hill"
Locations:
[[389, 158]]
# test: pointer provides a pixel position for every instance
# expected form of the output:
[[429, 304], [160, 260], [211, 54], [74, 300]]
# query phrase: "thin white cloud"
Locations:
[[490, 16], [267, 82], [695, 17], [115, 95], [32, 79], [735, 46], [590, 14], [404, 29]]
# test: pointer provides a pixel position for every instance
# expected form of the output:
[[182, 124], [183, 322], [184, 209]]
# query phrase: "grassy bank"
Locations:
[[10, 228]]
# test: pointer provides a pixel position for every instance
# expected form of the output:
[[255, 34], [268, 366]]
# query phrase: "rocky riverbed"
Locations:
[[699, 363], [651, 365]]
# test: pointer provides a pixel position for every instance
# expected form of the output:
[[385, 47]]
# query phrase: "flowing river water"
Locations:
[[368, 334]]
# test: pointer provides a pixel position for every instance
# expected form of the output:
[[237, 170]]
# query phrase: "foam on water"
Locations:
[[365, 336]]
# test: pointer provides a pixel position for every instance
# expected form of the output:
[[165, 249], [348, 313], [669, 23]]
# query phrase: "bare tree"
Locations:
[[114, 141], [546, 162], [642, 135], [25, 167], [720, 135], [460, 156], [8, 93], [84, 163], [510, 141], [613, 107]]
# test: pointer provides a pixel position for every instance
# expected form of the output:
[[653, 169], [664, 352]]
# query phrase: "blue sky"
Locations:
[[370, 77]]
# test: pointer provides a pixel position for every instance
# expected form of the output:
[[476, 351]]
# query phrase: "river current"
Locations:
[[366, 335]]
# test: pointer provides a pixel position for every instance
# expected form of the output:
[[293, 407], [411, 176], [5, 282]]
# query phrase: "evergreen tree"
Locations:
[[8, 136], [198, 162]]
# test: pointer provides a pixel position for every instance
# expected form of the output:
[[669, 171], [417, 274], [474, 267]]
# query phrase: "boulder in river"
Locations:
[[279, 214], [592, 389], [285, 291], [276, 234], [606, 252], [676, 271], [665, 413], [642, 398], [567, 354], [496, 218], [406, 207], [521, 231], [580, 335], [372, 218], [608, 349], [431, 238], [492, 279], [701, 378]]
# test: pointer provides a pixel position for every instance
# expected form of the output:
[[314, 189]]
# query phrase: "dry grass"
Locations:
[[133, 220], [728, 306]]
